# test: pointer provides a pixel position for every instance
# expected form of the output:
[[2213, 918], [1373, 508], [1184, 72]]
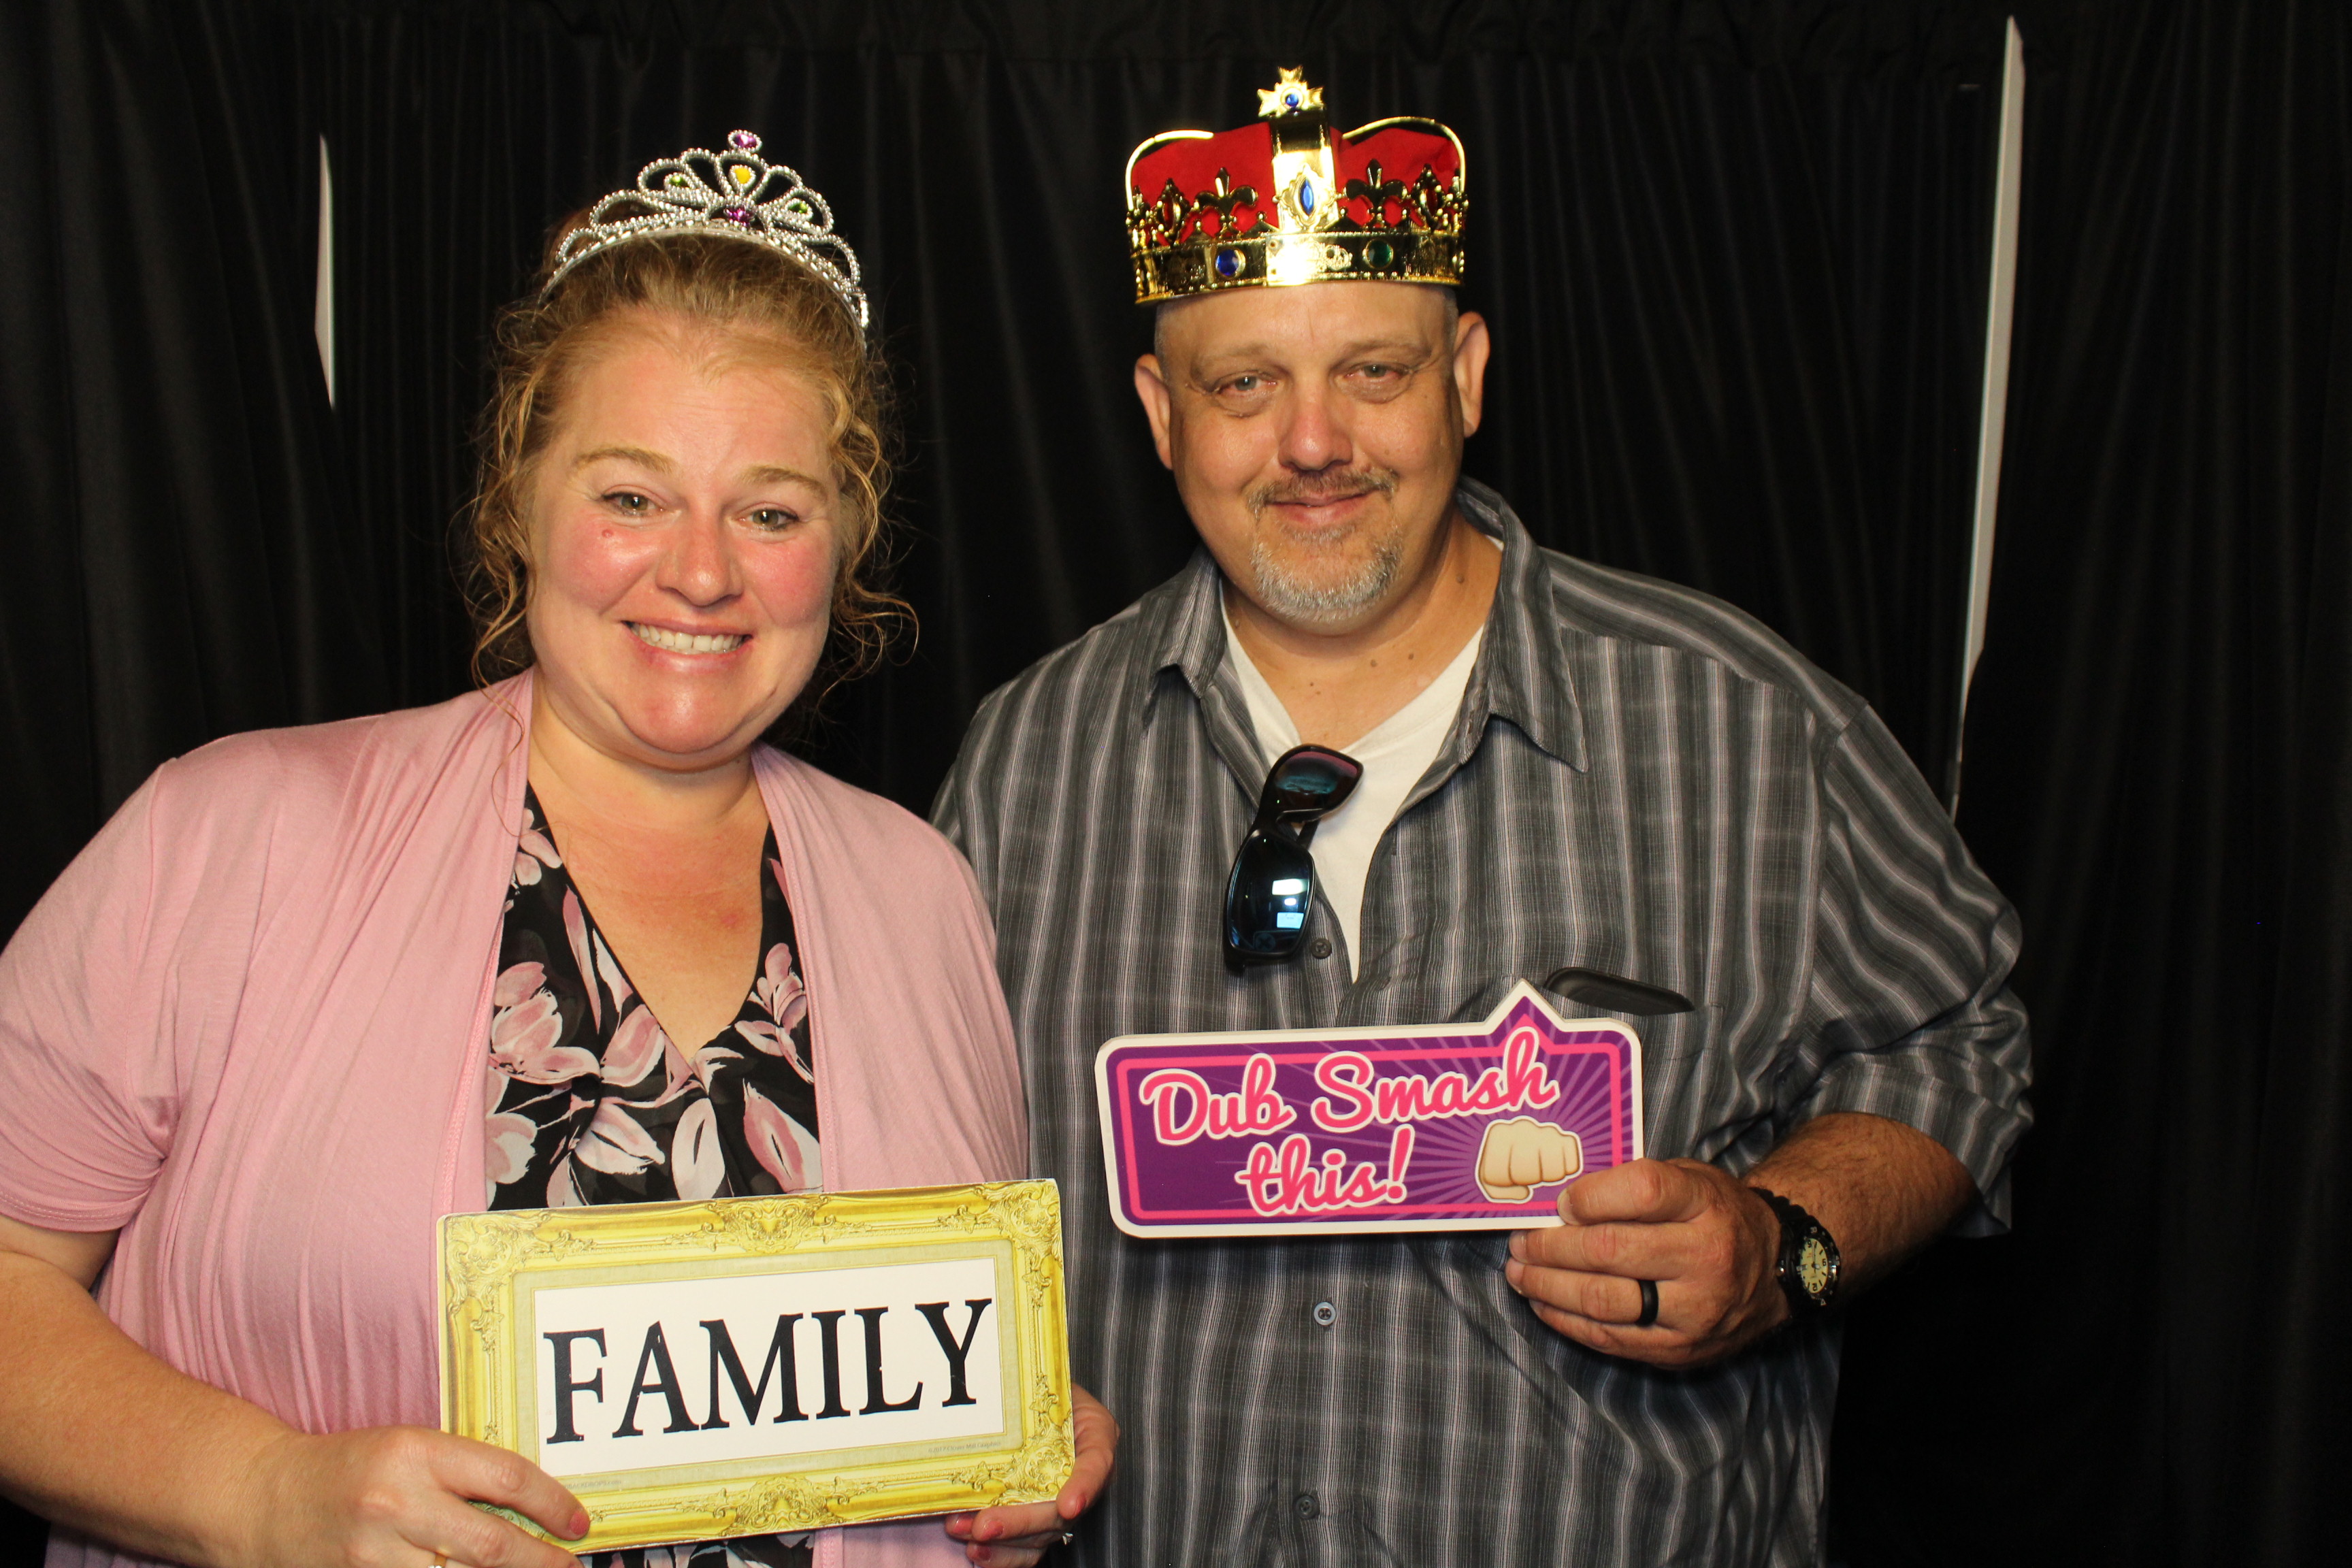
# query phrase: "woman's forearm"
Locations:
[[98, 1435]]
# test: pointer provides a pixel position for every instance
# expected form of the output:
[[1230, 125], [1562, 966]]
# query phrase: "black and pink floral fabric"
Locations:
[[589, 1102]]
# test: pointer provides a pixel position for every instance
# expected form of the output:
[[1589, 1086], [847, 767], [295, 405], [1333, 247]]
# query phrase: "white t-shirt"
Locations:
[[1395, 754]]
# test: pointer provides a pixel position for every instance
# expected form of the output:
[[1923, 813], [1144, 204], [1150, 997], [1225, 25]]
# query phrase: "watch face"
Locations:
[[1813, 1266]]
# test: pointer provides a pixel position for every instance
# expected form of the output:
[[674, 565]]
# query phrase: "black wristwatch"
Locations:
[[1809, 1264]]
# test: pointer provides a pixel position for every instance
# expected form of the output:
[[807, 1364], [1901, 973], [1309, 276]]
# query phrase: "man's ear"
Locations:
[[1471, 347], [1153, 391]]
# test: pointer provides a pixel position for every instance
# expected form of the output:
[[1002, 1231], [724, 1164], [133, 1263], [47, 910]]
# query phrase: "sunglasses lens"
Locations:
[[1270, 895], [1311, 781]]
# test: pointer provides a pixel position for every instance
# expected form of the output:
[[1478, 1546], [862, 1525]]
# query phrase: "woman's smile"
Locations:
[[669, 641]]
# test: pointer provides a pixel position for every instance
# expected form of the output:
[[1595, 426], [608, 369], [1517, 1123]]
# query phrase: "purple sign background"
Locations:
[[1265, 1159]]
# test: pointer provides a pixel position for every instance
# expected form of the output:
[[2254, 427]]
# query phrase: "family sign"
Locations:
[[741, 1365], [1296, 1133]]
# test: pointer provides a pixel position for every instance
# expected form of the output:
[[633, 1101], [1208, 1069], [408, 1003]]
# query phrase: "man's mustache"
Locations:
[[1321, 488]]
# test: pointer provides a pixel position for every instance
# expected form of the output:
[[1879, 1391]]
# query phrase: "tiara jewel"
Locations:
[[737, 194]]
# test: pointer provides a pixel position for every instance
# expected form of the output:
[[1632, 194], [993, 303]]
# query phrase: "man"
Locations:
[[1564, 766]]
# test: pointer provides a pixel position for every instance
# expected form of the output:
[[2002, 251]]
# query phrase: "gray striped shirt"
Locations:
[[1642, 781]]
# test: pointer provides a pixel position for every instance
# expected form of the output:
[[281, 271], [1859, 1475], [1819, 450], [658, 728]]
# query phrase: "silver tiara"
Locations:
[[737, 194]]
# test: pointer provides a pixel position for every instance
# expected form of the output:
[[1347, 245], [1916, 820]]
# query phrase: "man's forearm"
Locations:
[[1882, 1189]]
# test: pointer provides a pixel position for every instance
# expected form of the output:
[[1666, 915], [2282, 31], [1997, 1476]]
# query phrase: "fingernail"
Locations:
[[579, 1525], [1511, 1272]]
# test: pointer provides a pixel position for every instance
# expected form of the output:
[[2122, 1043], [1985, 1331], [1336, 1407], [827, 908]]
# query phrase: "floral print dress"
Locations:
[[589, 1102]]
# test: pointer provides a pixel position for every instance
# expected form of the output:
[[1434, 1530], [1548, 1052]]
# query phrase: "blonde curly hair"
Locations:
[[758, 296]]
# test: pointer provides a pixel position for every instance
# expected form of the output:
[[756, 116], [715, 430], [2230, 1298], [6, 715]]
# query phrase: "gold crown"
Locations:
[[1288, 201]]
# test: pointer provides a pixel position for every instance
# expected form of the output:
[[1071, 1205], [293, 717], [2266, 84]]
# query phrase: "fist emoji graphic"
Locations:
[[1520, 1155]]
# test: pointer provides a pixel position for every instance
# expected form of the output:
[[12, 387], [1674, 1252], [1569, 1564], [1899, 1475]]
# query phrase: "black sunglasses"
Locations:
[[1272, 889]]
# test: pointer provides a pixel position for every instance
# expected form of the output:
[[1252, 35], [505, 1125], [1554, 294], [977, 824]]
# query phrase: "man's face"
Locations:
[[1316, 434]]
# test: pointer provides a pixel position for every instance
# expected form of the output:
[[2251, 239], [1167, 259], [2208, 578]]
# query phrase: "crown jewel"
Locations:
[[1287, 201], [735, 192], [1290, 95]]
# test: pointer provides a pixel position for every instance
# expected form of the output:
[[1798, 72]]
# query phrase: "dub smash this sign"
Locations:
[[1292, 1133]]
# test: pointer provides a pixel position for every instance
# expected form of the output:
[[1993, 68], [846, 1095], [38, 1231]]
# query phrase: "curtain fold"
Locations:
[[2151, 1369], [176, 561]]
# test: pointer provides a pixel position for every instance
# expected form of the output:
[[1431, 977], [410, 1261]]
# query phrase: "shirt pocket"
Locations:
[[1692, 1077]]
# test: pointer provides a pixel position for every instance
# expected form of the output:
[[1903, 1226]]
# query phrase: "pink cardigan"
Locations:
[[247, 1027]]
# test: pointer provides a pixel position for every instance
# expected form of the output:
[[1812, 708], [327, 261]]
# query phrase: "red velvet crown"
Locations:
[[1290, 201]]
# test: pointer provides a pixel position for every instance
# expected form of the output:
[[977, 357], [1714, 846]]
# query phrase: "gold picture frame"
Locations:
[[497, 1270]]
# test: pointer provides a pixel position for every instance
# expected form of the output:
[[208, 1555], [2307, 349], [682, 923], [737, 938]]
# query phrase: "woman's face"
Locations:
[[684, 536]]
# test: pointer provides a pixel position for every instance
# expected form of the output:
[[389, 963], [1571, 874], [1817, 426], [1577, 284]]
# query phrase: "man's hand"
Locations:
[[1711, 1245], [1017, 1536]]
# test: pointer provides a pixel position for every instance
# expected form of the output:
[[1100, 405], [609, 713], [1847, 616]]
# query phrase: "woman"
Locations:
[[577, 938]]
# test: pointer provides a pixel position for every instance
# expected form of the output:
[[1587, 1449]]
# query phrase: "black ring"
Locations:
[[1649, 1318]]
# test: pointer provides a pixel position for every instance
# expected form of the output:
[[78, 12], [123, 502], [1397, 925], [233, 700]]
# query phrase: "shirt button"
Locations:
[[1307, 1505], [1320, 947], [1326, 1314]]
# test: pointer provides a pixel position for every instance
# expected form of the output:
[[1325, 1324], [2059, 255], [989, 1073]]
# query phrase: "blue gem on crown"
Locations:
[[1289, 96], [736, 193]]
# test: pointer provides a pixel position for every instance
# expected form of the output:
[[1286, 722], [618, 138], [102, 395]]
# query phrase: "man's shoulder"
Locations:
[[1605, 609], [1105, 653]]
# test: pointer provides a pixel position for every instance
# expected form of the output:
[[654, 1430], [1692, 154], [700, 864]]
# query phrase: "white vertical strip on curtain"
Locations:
[[1998, 308], [322, 306]]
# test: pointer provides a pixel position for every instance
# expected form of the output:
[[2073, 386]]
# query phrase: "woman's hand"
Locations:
[[396, 1497], [99, 1436], [1016, 1536]]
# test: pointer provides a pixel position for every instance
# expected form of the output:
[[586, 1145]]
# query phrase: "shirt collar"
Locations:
[[1183, 626], [1522, 673]]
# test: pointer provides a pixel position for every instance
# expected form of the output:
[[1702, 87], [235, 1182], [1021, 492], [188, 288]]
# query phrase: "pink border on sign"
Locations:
[[1615, 1050]]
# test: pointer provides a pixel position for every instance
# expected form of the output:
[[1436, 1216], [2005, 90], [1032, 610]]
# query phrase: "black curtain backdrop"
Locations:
[[1735, 256], [1737, 267], [175, 561], [2152, 1369]]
